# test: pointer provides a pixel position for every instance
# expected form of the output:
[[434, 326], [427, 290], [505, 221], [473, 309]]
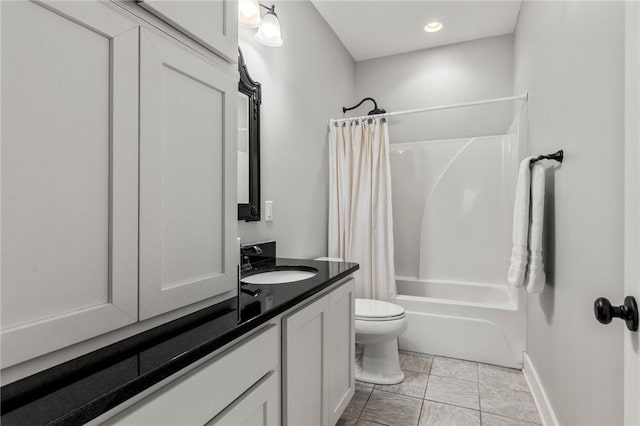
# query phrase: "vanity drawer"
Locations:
[[198, 396]]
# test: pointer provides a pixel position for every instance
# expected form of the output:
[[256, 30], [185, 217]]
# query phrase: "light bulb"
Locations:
[[433, 27], [249, 13], [269, 31]]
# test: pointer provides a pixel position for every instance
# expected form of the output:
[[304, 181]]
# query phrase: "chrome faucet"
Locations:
[[245, 251]]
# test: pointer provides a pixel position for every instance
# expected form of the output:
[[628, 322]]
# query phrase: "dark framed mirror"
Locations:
[[249, 100]]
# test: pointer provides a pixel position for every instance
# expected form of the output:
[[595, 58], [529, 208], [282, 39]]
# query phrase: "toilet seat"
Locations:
[[378, 310]]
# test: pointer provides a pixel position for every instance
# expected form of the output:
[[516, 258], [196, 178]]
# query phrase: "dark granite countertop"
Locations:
[[84, 388]]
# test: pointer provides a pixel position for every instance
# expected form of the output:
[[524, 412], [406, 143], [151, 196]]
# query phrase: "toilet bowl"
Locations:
[[378, 325]]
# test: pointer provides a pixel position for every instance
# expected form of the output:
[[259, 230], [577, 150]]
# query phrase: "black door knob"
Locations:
[[605, 312]]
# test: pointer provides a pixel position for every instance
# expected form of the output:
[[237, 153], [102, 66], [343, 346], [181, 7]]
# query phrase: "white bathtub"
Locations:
[[473, 321]]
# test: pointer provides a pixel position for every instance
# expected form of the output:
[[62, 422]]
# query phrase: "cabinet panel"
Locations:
[[319, 359], [69, 175], [201, 394], [305, 380], [341, 350], [187, 178], [213, 23], [260, 405]]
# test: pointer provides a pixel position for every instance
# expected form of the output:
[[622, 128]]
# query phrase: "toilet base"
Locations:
[[379, 363]]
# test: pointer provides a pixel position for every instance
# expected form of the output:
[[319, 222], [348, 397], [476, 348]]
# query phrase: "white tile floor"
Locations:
[[444, 392]]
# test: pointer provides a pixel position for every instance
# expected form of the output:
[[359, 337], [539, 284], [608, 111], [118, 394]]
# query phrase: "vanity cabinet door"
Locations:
[[69, 175], [188, 166], [319, 363], [213, 23], [260, 405], [305, 354], [341, 341]]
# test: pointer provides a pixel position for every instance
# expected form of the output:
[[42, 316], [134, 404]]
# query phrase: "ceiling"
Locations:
[[374, 28]]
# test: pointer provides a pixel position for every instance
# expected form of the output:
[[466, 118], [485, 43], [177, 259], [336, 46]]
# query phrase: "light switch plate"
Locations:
[[268, 211]]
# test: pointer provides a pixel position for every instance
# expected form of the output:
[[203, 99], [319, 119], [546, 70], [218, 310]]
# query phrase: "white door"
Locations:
[[69, 175], [259, 406], [213, 23], [341, 343], [632, 208], [188, 222], [305, 386]]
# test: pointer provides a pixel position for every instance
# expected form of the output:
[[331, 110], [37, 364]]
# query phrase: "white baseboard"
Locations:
[[540, 397]]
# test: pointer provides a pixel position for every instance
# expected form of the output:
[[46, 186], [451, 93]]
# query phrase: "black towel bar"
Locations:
[[556, 156]]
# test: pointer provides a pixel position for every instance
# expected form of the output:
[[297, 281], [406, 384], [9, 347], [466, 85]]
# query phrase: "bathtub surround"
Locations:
[[575, 80], [451, 197], [360, 209], [294, 148], [482, 322], [453, 205]]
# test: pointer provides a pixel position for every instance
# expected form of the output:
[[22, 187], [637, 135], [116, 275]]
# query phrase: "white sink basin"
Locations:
[[280, 276]]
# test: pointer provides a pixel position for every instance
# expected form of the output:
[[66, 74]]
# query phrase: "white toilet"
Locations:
[[378, 325]]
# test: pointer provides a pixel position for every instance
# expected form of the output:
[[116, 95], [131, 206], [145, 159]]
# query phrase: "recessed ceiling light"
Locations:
[[433, 27]]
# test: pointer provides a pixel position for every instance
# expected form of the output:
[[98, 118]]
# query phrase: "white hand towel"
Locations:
[[535, 272], [520, 252]]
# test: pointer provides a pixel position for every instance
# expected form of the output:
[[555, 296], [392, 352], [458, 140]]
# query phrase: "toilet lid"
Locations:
[[377, 309]]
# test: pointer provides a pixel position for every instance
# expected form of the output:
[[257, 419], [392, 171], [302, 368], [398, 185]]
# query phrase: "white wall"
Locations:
[[304, 83], [569, 56], [461, 72]]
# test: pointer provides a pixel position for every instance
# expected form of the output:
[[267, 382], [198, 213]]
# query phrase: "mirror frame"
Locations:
[[246, 85]]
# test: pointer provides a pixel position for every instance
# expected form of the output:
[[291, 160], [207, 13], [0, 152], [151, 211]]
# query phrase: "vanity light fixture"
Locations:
[[433, 27], [268, 25], [269, 31]]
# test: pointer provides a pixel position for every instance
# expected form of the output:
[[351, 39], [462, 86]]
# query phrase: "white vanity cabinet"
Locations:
[[298, 369], [239, 386], [318, 359], [69, 175], [118, 174], [188, 213], [258, 406], [213, 23]]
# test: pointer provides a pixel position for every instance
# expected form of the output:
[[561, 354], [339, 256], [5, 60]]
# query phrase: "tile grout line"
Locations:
[[453, 405], [454, 378], [401, 394], [511, 418], [365, 403], [420, 413], [424, 394]]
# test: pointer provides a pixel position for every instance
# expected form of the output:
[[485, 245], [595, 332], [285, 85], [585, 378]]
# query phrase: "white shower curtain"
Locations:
[[360, 216]]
